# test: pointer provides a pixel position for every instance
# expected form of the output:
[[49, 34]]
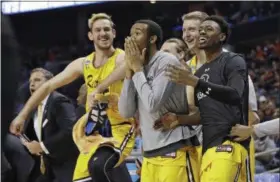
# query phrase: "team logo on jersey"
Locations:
[[205, 77], [170, 155], [87, 63], [207, 69], [224, 148]]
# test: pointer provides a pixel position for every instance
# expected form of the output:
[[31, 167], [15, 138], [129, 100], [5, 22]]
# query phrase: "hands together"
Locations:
[[134, 58]]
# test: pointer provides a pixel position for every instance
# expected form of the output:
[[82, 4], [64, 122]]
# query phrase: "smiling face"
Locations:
[[210, 35], [102, 34], [191, 33]]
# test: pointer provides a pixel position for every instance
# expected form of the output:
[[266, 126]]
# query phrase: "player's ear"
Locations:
[[153, 39], [90, 36], [182, 56], [114, 32], [222, 37]]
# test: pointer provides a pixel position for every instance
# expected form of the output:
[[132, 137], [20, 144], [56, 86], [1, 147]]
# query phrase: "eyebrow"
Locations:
[[137, 28]]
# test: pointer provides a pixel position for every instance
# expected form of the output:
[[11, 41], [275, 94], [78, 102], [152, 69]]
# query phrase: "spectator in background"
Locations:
[[259, 53]]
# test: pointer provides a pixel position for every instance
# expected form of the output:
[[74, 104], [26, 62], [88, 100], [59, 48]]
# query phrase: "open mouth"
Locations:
[[189, 41], [202, 40], [104, 39]]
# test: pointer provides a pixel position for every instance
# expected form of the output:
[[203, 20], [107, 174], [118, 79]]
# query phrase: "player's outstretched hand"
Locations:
[[242, 132]]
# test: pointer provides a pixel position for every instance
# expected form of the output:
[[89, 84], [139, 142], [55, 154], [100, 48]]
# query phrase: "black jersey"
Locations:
[[221, 95]]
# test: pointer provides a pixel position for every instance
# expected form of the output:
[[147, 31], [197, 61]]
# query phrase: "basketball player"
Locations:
[[179, 49], [148, 91], [221, 95], [102, 69], [191, 23]]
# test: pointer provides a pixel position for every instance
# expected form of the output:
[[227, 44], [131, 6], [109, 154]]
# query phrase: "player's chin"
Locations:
[[105, 46], [202, 46]]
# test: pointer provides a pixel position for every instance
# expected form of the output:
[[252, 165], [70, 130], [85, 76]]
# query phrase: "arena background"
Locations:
[[54, 35]]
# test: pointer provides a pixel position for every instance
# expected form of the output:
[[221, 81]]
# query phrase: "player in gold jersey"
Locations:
[[179, 49], [191, 22], [103, 69]]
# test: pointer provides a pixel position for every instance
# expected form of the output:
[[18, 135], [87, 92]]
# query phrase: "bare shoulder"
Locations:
[[75, 67], [120, 59]]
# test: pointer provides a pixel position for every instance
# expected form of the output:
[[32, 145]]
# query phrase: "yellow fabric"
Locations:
[[94, 76], [252, 159], [183, 167], [121, 132], [160, 169], [194, 157], [40, 118], [195, 154], [224, 166], [193, 64], [179, 160], [122, 141]]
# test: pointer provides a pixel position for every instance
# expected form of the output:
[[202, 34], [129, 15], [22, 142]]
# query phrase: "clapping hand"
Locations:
[[133, 56], [181, 75]]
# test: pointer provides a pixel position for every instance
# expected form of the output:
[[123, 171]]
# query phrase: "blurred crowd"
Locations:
[[243, 12], [263, 63]]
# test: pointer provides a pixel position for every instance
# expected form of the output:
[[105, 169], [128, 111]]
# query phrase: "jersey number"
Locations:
[[90, 82]]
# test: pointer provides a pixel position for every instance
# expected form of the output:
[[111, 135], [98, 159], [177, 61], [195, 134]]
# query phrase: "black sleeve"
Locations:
[[64, 113], [235, 73]]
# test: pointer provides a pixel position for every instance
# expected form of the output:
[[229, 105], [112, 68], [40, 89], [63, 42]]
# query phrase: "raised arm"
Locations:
[[69, 74], [116, 75]]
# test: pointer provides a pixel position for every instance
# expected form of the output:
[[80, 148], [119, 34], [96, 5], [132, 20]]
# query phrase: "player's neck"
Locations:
[[151, 53], [200, 55], [212, 54], [101, 55]]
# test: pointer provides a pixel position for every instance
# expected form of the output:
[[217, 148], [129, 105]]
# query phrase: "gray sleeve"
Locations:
[[153, 95], [267, 128], [253, 106], [127, 102]]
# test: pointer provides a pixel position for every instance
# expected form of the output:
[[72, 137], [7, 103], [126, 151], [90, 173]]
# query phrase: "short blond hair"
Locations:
[[99, 16], [181, 46], [197, 15]]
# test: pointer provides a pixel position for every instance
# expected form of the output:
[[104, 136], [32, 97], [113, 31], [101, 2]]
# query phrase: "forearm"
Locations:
[[267, 128], [35, 100], [253, 118], [127, 102], [227, 94], [193, 118], [116, 75]]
